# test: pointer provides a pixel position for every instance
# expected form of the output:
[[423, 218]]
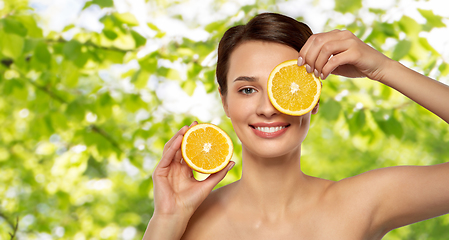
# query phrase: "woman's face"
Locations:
[[263, 130]]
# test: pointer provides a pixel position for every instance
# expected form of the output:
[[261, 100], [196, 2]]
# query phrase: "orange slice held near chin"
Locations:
[[206, 148], [292, 90]]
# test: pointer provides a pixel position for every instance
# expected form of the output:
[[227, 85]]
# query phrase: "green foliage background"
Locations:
[[77, 148]]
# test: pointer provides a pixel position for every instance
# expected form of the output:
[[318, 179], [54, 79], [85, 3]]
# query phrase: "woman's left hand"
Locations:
[[342, 53]]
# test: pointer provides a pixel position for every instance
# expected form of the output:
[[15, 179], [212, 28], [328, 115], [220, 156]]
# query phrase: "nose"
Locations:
[[265, 108]]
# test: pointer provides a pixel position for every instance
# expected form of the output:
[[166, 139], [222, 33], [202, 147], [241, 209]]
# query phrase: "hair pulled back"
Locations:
[[268, 27]]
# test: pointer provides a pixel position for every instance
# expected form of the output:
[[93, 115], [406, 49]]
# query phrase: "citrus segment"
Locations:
[[292, 90], [206, 148]]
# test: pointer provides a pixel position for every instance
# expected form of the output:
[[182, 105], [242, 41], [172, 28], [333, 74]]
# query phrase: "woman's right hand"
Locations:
[[177, 194]]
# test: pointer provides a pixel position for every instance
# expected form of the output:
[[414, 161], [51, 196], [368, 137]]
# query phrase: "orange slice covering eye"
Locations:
[[206, 148], [292, 90]]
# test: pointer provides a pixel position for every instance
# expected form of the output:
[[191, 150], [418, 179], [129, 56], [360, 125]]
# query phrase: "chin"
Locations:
[[272, 150]]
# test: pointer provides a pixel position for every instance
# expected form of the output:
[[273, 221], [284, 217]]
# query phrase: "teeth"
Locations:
[[269, 129]]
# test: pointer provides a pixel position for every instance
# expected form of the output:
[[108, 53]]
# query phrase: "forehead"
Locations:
[[258, 58]]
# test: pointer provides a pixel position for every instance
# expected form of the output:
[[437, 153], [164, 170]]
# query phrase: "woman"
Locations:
[[274, 199]]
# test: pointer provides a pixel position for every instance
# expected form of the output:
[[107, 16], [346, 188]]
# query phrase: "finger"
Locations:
[[180, 132], [178, 156], [313, 47], [341, 59], [169, 155], [328, 50], [193, 124], [212, 180], [186, 170], [305, 49], [306, 52]]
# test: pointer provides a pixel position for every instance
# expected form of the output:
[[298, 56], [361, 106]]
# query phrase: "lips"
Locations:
[[269, 130]]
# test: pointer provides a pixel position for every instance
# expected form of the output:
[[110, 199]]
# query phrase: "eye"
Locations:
[[247, 91]]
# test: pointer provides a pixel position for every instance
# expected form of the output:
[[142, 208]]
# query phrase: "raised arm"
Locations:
[[177, 194], [425, 91], [397, 196], [342, 53]]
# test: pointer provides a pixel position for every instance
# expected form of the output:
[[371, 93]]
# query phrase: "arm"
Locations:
[[397, 196], [177, 194], [351, 57], [165, 227], [431, 94]]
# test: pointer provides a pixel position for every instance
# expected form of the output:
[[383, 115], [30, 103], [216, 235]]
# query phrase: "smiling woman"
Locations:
[[291, 204]]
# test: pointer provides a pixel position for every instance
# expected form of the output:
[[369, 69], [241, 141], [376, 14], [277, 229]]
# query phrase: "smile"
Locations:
[[269, 130]]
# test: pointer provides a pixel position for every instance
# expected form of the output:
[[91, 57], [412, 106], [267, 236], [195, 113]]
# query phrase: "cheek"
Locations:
[[240, 108]]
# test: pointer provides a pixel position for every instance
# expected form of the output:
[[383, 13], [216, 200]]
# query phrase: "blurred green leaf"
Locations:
[[390, 126], [110, 34], [330, 109], [401, 49], [76, 111], [140, 78], [95, 168], [12, 44], [189, 87], [42, 54], [356, 122], [409, 26], [29, 22], [13, 26], [127, 18], [140, 41], [124, 42], [103, 3], [193, 70], [345, 6], [444, 69], [72, 49], [432, 19]]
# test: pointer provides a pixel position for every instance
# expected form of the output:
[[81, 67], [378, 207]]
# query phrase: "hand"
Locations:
[[176, 192], [342, 53]]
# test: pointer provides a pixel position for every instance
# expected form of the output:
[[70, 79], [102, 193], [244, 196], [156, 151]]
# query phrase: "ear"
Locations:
[[315, 109], [223, 102]]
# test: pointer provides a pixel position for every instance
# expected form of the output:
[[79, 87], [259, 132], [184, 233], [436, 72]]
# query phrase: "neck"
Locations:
[[272, 184]]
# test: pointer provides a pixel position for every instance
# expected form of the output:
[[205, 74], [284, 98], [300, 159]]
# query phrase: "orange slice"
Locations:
[[206, 148], [292, 90]]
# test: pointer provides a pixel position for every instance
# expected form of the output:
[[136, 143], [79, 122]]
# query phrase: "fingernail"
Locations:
[[322, 76], [232, 165], [316, 73], [300, 61], [308, 68]]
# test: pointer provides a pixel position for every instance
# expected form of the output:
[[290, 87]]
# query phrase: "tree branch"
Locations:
[[46, 90], [94, 128], [7, 62], [15, 229], [100, 131], [10, 223], [90, 43], [13, 226]]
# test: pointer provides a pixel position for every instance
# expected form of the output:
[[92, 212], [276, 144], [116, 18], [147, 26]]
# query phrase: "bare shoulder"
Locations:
[[357, 201], [365, 196], [208, 219], [401, 195]]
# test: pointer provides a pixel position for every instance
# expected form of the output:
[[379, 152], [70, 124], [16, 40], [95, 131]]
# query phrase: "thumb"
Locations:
[[212, 180]]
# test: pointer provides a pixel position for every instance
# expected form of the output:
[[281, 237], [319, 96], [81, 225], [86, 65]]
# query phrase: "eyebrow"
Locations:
[[245, 78]]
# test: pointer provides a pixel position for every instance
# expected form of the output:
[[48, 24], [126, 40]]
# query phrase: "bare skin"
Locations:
[[274, 199]]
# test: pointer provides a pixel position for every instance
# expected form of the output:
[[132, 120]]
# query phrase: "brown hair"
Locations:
[[269, 27]]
